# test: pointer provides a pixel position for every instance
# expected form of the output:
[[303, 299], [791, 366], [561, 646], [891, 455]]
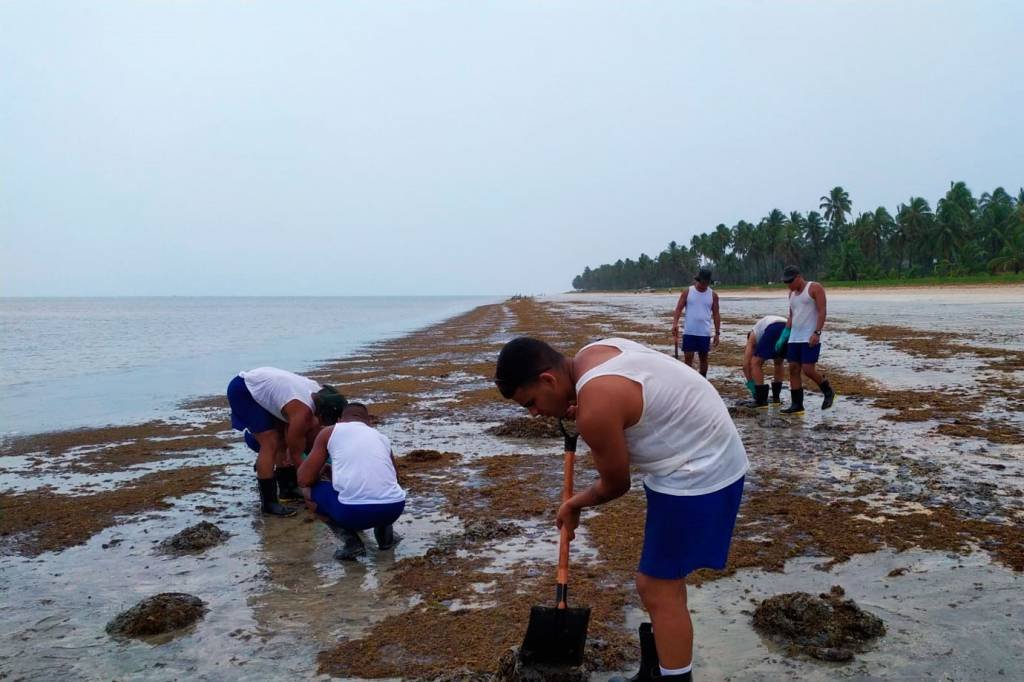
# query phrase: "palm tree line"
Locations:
[[962, 235]]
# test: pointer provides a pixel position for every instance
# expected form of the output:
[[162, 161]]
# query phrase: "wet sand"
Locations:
[[918, 472]]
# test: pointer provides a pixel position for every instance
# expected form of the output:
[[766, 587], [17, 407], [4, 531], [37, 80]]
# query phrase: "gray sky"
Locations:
[[257, 147]]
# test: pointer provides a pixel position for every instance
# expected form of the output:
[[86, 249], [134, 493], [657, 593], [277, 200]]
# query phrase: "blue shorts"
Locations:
[[251, 441], [686, 532], [803, 353], [246, 413], [766, 346], [353, 516], [696, 344]]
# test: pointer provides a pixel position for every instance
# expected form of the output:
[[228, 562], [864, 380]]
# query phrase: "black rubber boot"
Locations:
[[776, 392], [649, 669], [352, 545], [760, 397], [268, 499], [830, 395], [386, 536], [288, 484], [796, 403]]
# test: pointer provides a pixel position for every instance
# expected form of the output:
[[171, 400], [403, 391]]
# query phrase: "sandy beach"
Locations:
[[909, 495]]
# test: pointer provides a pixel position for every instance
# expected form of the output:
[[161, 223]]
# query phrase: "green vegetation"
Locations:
[[963, 240]]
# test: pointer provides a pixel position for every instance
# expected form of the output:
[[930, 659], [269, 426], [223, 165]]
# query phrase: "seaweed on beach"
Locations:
[[202, 535], [527, 427], [827, 627], [165, 612]]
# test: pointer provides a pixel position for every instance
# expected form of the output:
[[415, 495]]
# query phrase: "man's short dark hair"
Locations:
[[521, 361], [356, 412]]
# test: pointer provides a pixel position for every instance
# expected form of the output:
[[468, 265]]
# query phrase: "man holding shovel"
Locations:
[[636, 406]]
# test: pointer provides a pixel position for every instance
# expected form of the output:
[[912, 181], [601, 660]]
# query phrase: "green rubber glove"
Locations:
[[750, 387], [783, 337]]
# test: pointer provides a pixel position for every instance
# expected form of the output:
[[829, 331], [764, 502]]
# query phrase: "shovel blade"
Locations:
[[555, 637]]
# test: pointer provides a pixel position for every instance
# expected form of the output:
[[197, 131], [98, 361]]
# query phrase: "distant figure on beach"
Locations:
[[686, 444], [807, 313], [766, 341], [701, 305], [280, 410], [360, 489]]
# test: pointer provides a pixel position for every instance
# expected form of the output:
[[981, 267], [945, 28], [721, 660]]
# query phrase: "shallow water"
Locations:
[[67, 362], [277, 597]]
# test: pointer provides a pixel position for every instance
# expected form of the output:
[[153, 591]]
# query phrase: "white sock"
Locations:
[[675, 671]]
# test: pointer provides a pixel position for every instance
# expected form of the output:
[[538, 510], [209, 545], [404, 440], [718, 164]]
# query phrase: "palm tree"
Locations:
[[814, 233], [1011, 257], [913, 224], [836, 205], [995, 219], [954, 220]]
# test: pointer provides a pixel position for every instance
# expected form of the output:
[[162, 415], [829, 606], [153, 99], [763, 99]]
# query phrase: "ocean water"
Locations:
[[74, 362]]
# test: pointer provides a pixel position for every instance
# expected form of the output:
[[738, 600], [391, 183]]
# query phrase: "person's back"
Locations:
[[685, 440], [274, 388], [362, 471]]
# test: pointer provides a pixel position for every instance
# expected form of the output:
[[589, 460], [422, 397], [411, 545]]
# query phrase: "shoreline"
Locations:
[[467, 525]]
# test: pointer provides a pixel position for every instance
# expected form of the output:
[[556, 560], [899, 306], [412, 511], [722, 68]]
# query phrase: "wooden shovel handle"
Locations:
[[563, 541]]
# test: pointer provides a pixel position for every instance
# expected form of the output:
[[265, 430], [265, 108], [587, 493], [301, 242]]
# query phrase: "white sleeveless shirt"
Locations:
[[805, 315], [698, 312], [361, 467], [273, 388], [685, 440]]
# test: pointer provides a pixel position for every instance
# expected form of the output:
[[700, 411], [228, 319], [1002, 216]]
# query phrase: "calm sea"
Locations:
[[72, 362]]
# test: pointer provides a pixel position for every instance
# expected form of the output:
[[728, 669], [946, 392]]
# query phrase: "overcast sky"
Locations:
[[265, 147]]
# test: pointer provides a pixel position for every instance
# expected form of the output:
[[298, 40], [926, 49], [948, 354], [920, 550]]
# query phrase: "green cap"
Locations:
[[329, 404]]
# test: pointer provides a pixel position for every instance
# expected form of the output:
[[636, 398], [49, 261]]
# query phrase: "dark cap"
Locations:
[[790, 273], [329, 404], [703, 275]]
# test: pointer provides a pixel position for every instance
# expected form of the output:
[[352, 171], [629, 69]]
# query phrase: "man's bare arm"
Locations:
[[609, 407], [716, 316], [818, 294], [309, 471], [300, 421], [680, 304]]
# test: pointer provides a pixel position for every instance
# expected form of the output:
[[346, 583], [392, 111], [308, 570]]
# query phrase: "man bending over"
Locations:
[[636, 406]]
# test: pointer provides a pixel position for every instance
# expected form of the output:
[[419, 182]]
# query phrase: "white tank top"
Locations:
[[685, 440], [274, 388], [698, 312], [361, 467], [805, 315], [764, 323]]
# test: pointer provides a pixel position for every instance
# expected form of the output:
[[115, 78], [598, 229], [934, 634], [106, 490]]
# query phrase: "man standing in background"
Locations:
[[701, 304], [807, 312]]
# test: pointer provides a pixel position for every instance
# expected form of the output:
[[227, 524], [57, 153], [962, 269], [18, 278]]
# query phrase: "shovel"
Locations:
[[555, 636]]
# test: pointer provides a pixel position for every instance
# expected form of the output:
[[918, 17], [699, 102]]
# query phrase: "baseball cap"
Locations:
[[703, 275], [790, 273]]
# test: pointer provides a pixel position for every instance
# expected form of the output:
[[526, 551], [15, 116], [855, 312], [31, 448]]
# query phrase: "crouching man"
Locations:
[[360, 489]]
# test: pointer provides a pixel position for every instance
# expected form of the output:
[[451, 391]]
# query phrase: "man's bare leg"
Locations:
[[665, 600], [703, 364]]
